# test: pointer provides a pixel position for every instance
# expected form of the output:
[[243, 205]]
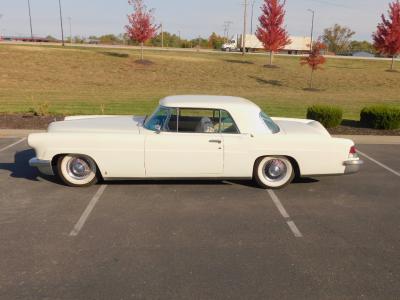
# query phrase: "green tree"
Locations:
[[338, 38], [110, 39], [362, 46], [215, 41]]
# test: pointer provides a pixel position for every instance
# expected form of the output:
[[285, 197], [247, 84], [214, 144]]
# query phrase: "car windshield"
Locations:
[[158, 118], [271, 125]]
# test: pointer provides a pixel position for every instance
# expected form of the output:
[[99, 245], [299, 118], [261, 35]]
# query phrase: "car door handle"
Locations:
[[215, 141]]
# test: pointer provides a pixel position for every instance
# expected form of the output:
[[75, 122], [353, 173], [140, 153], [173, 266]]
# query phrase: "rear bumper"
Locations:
[[352, 166], [44, 166]]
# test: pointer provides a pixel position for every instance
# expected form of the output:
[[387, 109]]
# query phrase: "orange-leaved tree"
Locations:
[[387, 36], [315, 59], [141, 26], [271, 31]]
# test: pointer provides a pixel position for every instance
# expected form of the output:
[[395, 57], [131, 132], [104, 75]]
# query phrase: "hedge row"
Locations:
[[329, 116], [381, 117], [377, 117]]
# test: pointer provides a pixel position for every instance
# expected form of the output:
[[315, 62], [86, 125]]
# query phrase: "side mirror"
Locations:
[[158, 129]]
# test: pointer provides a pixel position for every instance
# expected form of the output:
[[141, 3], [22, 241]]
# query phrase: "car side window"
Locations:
[[164, 118], [198, 120], [228, 125]]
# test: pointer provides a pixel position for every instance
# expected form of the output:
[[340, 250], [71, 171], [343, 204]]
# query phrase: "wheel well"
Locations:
[[294, 163], [57, 157]]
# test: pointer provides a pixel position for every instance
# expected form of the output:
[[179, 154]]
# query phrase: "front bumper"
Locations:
[[352, 166], [44, 166]]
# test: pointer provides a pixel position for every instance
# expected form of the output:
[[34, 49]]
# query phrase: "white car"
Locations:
[[191, 137]]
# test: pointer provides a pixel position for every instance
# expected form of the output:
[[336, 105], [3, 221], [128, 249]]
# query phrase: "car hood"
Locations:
[[301, 127], [99, 124]]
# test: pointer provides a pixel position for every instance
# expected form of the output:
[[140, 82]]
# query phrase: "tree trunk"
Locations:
[[392, 65], [141, 52], [311, 78], [271, 57]]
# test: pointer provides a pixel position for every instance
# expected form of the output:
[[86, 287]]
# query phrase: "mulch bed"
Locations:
[[28, 121], [355, 128]]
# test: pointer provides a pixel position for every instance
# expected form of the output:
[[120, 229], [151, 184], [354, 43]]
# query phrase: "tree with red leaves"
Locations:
[[387, 36], [271, 31], [315, 59], [141, 26]]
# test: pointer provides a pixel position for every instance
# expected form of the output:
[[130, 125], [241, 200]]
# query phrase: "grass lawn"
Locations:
[[83, 81]]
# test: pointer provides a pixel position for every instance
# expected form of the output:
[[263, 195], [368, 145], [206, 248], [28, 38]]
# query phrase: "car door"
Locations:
[[188, 145]]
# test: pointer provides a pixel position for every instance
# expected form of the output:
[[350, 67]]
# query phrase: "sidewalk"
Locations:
[[358, 139], [18, 133], [372, 139]]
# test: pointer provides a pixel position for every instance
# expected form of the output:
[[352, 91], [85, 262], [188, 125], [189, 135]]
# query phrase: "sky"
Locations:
[[189, 17]]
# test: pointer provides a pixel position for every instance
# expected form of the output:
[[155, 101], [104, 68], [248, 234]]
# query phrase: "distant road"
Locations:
[[122, 47]]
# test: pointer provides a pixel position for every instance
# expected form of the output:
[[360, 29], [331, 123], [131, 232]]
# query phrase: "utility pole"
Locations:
[[244, 28], [227, 27], [252, 15], [312, 28], [70, 30], [30, 18], [162, 35], [61, 21]]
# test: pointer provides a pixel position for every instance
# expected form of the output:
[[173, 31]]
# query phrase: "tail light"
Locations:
[[353, 152]]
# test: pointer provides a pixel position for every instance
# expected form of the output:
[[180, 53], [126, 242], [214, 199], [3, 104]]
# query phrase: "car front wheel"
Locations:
[[273, 172], [77, 170]]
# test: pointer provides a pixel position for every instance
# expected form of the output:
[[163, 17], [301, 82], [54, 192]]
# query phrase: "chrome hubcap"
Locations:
[[274, 170], [78, 168]]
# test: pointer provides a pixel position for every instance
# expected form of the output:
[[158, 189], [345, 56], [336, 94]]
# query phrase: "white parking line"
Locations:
[[285, 214], [85, 215], [13, 144], [379, 163]]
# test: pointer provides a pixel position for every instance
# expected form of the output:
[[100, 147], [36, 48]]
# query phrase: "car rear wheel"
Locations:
[[273, 172], [77, 170]]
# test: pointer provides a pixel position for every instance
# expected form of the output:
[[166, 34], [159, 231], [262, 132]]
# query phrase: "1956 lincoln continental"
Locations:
[[191, 137]]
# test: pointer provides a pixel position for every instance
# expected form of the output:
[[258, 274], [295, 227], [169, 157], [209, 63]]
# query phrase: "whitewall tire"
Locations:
[[77, 170], [273, 172]]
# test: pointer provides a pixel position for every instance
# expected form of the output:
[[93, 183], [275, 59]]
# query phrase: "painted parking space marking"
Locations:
[[13, 144], [379, 163], [285, 215], [85, 215]]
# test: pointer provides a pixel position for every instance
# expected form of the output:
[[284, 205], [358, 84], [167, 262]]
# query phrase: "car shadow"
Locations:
[[20, 167], [304, 180], [182, 182]]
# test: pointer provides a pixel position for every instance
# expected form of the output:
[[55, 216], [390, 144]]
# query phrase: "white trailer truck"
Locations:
[[297, 45]]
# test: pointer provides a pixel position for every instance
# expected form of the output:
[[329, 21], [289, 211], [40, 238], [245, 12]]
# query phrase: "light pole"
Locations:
[[312, 28], [61, 22], [252, 15], [0, 24], [244, 28], [30, 18]]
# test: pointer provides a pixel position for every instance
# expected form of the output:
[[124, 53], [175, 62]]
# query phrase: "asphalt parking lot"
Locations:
[[320, 238]]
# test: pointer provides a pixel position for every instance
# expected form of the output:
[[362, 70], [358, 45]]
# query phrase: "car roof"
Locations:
[[244, 112], [207, 101]]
